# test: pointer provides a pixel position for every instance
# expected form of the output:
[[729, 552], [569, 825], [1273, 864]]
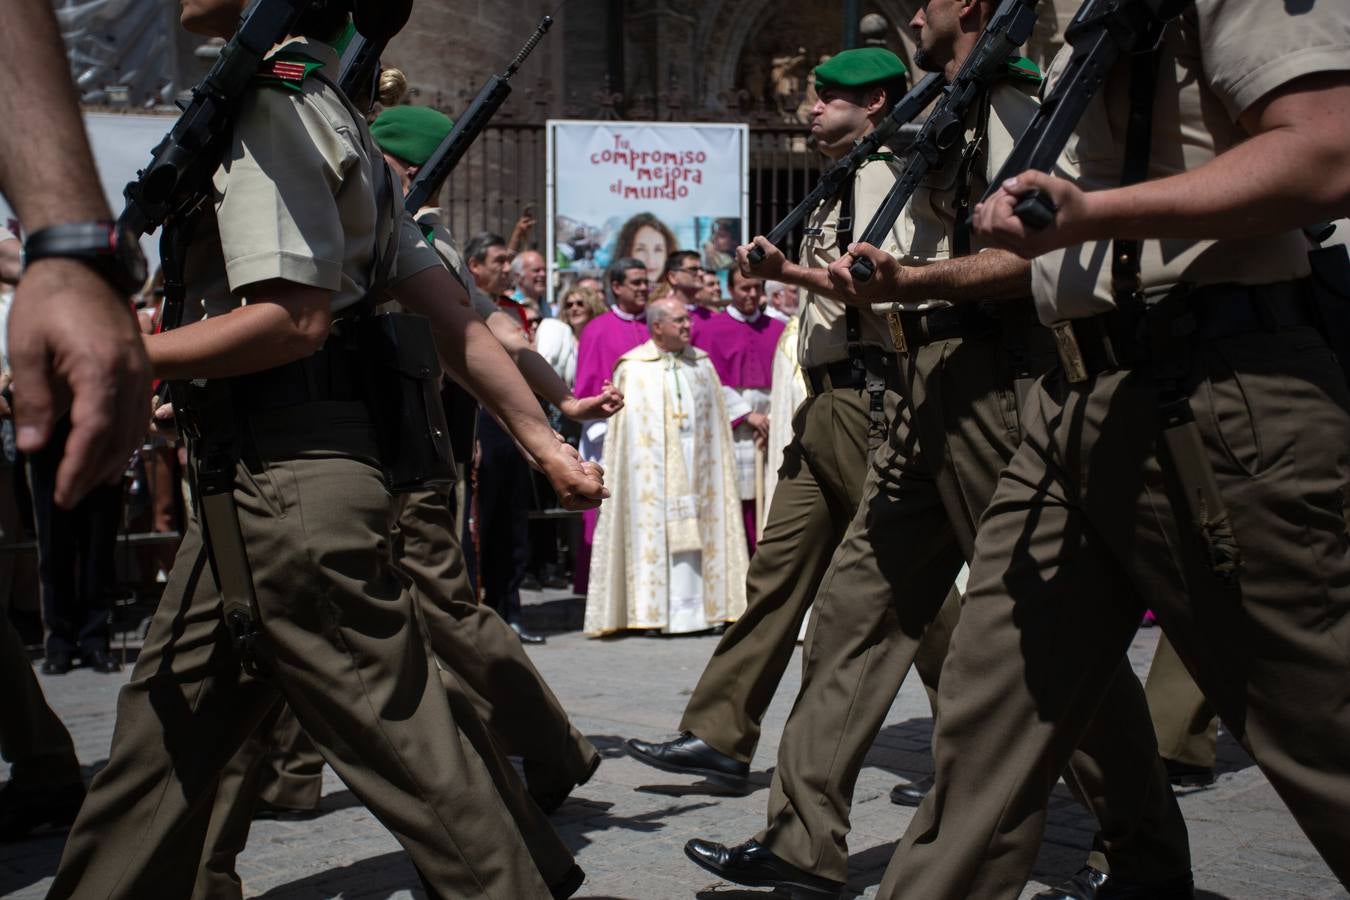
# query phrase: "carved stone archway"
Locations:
[[728, 27]]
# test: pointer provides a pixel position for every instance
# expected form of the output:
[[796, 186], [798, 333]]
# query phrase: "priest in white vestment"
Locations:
[[670, 546], [789, 390]]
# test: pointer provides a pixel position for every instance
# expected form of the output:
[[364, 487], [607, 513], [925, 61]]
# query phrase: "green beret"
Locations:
[[858, 68], [410, 132], [1019, 68]]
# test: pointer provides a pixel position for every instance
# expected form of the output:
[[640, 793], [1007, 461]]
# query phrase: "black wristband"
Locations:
[[110, 251]]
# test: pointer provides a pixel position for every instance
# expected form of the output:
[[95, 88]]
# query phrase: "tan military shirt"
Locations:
[[824, 334], [1220, 58], [928, 221], [295, 200], [429, 219]]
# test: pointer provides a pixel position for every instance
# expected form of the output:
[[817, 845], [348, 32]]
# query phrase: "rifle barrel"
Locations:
[[905, 110], [1009, 29]]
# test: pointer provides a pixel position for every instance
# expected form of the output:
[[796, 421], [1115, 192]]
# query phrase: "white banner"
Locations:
[[644, 189], [121, 145]]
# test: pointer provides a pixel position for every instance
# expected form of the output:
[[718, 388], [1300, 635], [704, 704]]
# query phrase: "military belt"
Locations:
[[1120, 339], [912, 330], [843, 375], [333, 373]]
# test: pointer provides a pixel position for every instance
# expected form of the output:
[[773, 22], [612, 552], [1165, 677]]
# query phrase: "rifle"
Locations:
[[837, 175], [1100, 33], [490, 97], [1008, 29], [359, 69], [178, 179]]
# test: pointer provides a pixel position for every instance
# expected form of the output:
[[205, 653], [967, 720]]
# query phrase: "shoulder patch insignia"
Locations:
[[287, 72]]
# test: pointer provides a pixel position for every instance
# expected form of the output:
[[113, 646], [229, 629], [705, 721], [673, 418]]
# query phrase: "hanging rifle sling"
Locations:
[[873, 382], [1169, 343]]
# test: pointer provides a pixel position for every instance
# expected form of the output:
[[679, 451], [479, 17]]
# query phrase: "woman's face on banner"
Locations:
[[649, 245]]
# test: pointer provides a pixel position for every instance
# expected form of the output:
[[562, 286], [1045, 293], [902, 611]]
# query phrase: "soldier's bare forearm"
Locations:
[[539, 375], [991, 275], [46, 170]]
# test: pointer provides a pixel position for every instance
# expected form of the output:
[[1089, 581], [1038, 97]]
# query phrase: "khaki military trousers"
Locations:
[[819, 486], [488, 679], [888, 590], [1185, 723], [473, 641], [1083, 531], [339, 635]]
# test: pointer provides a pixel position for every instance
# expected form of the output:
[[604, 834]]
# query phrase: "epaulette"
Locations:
[[287, 71], [1019, 68]]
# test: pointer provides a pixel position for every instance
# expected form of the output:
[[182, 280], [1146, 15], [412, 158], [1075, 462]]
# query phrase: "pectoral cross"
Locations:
[[679, 417]]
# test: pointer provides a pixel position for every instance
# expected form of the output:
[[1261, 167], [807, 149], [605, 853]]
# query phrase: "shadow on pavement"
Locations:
[[579, 819], [25, 863], [374, 878]]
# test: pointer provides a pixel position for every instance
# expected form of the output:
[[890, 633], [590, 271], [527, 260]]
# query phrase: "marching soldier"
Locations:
[[852, 386], [1188, 454], [967, 334], [301, 228]]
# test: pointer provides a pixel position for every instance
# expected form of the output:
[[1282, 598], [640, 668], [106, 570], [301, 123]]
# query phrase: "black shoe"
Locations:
[[1082, 886], [689, 755], [1094, 884], [568, 885], [1185, 775], [57, 663], [102, 661], [273, 813], [912, 794], [753, 865], [26, 811], [550, 797], [527, 637]]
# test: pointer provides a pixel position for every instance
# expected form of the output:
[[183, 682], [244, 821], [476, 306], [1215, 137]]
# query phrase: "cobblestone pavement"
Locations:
[[628, 825]]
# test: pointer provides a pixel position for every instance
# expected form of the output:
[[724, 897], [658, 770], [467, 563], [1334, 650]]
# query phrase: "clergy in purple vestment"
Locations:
[[741, 344], [604, 339]]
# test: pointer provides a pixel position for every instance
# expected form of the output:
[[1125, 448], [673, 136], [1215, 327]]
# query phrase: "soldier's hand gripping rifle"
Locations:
[[468, 126], [1100, 33], [941, 135], [836, 176]]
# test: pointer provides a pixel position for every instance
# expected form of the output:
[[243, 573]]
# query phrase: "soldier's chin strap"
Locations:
[[1170, 347]]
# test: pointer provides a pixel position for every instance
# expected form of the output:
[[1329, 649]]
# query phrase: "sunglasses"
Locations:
[[575, 304]]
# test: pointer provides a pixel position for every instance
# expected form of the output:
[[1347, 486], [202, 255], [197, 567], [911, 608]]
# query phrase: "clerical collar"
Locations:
[[627, 316], [740, 317]]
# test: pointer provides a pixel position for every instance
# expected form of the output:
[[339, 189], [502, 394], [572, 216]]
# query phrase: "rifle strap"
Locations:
[[206, 415], [975, 150], [874, 383], [1169, 345]]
